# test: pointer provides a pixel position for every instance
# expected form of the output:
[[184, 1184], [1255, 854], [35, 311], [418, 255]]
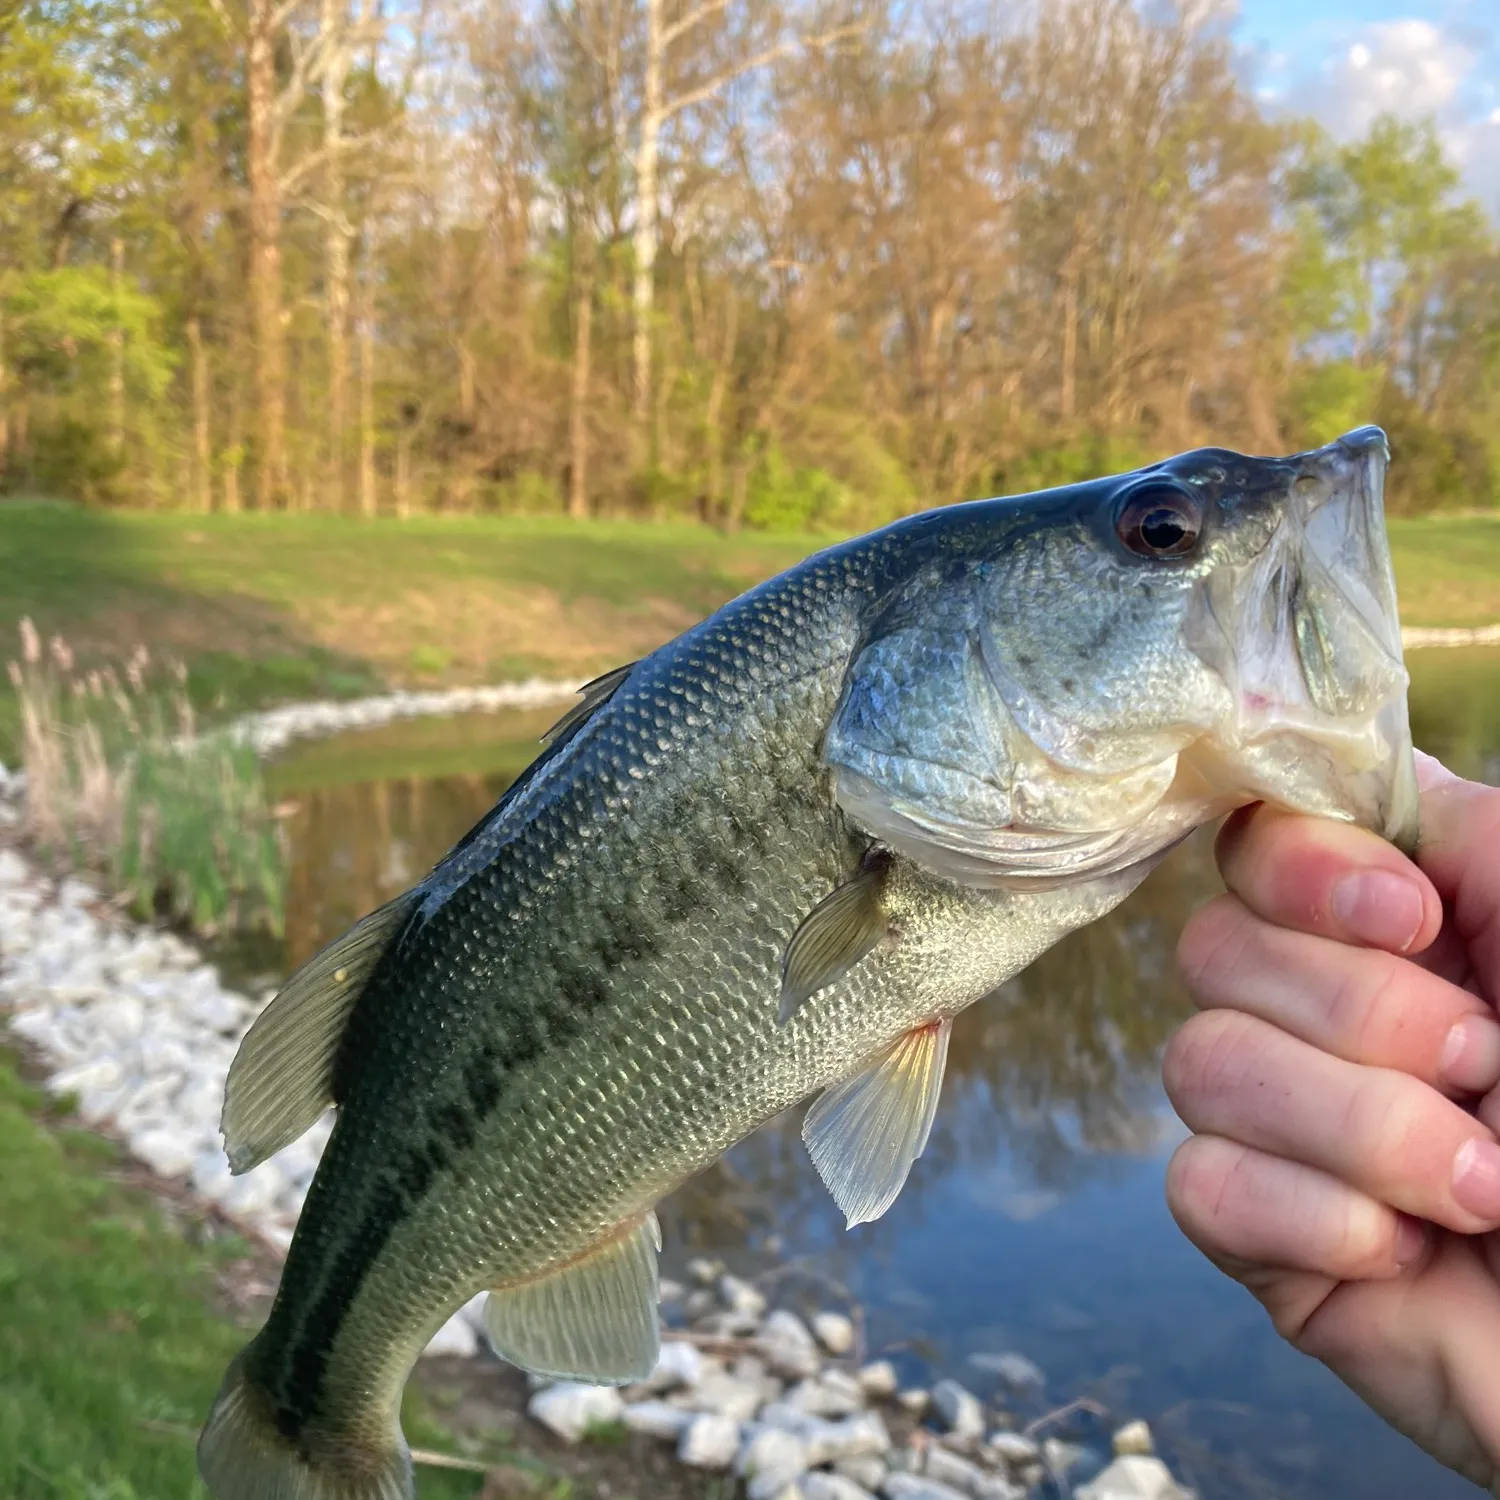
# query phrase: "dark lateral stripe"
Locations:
[[304, 1328]]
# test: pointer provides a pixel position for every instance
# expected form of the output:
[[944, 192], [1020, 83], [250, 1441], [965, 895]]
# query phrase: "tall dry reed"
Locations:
[[121, 783]]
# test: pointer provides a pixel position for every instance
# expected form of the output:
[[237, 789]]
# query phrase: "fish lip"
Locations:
[[1332, 522]]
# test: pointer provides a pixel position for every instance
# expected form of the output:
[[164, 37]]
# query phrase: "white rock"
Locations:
[[878, 1379], [899, 1486], [250, 1196], [1061, 1456], [867, 1470], [720, 1393], [704, 1271], [938, 1463], [787, 1346], [771, 1458], [699, 1304], [13, 869], [821, 1400], [670, 1291], [821, 1486], [569, 1408], [863, 1433], [678, 1363], [218, 1010], [168, 1152], [89, 1077], [1014, 1447], [1133, 1477], [657, 1419], [915, 1400], [1015, 1370], [211, 1175], [709, 1441], [1133, 1438], [75, 892], [835, 1332], [122, 1019], [455, 1337], [741, 1298], [959, 1409]]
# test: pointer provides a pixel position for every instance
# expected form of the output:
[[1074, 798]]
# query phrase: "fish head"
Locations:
[[1067, 684]]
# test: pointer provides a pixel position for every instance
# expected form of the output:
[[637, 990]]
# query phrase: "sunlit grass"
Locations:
[[111, 1347], [274, 608]]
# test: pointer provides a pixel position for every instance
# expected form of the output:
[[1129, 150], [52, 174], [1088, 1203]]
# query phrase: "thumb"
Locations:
[[1459, 851]]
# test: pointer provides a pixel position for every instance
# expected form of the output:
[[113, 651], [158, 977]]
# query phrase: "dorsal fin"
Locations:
[[281, 1079], [594, 694]]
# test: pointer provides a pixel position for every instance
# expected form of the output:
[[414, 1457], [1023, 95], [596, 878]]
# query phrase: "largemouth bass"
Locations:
[[772, 861]]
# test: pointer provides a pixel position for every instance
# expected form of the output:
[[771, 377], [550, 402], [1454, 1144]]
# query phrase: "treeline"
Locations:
[[756, 263]]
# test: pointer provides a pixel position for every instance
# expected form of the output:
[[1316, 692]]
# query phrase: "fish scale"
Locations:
[[598, 991]]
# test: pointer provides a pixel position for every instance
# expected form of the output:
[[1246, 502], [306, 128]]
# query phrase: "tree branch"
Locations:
[[686, 23], [711, 86]]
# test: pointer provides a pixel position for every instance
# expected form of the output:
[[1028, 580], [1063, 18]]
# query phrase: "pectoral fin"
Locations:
[[595, 1319], [864, 1134], [281, 1079], [840, 930]]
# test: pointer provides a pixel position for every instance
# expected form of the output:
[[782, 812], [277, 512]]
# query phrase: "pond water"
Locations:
[[1035, 1221]]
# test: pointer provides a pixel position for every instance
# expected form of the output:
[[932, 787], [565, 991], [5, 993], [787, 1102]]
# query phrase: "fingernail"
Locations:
[[1476, 1178], [1379, 908], [1411, 1240], [1471, 1055]]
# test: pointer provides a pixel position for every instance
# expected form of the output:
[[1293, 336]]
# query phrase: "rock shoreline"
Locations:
[[136, 1028]]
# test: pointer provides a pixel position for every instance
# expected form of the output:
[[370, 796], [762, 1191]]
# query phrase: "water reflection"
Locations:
[[1035, 1219]]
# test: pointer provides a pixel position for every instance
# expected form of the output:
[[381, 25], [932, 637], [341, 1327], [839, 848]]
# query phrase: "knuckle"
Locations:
[[1204, 1061], [1387, 1123], [1364, 1011], [1212, 943]]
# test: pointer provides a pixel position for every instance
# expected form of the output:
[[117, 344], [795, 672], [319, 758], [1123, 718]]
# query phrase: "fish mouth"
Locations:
[[1307, 636]]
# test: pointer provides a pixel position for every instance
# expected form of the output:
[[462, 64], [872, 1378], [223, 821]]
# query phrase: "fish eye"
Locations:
[[1160, 520]]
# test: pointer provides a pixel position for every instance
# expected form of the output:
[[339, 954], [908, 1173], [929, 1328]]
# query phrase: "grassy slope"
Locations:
[[110, 1348], [269, 608]]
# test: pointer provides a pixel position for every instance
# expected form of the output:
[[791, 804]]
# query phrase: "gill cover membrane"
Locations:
[[928, 757]]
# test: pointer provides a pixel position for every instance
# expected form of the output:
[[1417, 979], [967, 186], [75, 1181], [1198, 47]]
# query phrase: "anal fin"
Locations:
[[864, 1134], [281, 1078], [596, 1319]]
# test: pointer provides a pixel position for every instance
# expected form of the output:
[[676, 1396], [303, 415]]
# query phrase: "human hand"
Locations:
[[1342, 1083]]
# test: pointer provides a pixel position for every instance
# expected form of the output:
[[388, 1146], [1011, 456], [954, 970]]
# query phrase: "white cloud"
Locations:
[[1413, 68]]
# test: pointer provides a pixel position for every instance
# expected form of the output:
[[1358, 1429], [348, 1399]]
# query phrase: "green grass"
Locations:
[[271, 608], [110, 1346], [1448, 569]]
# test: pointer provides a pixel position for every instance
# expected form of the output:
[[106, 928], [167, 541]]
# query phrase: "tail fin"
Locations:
[[242, 1456]]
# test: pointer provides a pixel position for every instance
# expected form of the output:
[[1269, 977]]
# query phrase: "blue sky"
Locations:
[[1345, 61]]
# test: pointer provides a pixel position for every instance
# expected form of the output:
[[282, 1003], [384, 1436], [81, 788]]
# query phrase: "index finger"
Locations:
[[1460, 853], [1329, 878]]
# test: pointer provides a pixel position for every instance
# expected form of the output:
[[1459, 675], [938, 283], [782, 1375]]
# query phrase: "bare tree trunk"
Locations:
[[1066, 395], [117, 352], [367, 496], [403, 474], [713, 413], [4, 406], [202, 483], [335, 255], [265, 258], [234, 457], [646, 155], [583, 324]]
